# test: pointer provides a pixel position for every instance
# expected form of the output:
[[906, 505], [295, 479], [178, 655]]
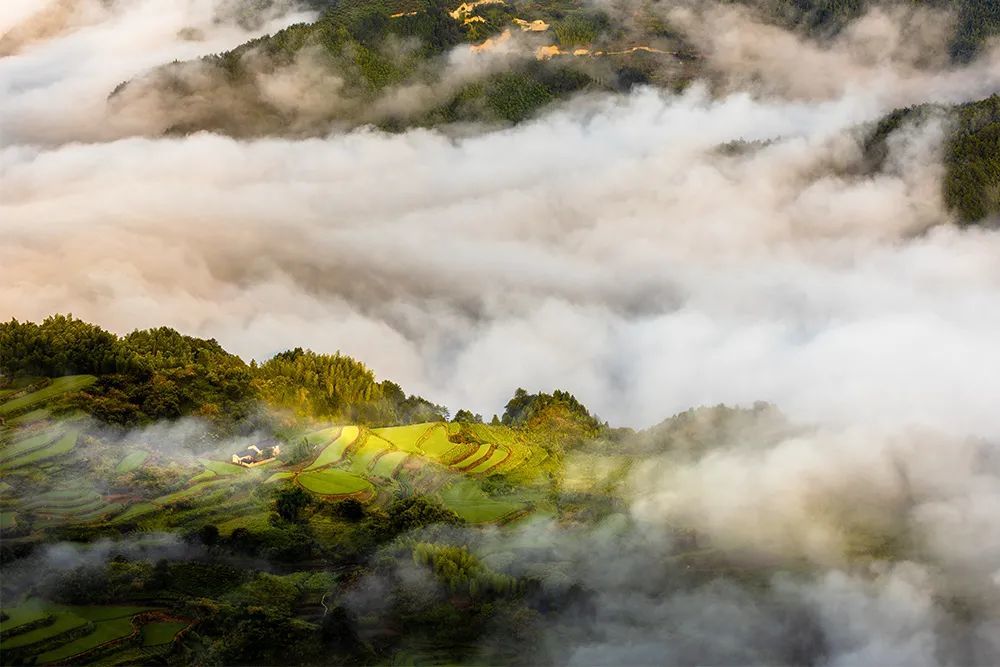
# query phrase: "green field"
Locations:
[[222, 468], [498, 456], [387, 464], [132, 461], [335, 450], [8, 520], [31, 417], [323, 436], [466, 498], [110, 623], [363, 457], [29, 612], [71, 630], [136, 511], [29, 444], [60, 446], [404, 438], [64, 622], [435, 442], [332, 482], [161, 632], [58, 386]]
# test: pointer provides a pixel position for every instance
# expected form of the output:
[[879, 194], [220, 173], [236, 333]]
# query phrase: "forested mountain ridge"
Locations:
[[393, 64], [137, 441], [162, 374]]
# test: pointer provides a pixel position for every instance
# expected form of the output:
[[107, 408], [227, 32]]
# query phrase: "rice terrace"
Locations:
[[67, 475], [488, 333]]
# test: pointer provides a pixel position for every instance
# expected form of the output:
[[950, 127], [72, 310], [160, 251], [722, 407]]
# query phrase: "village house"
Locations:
[[253, 455]]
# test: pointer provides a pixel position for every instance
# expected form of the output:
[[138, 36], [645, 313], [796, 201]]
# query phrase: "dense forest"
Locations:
[[971, 156], [162, 374], [386, 63]]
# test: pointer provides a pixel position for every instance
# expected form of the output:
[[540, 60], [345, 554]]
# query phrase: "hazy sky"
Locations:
[[607, 247]]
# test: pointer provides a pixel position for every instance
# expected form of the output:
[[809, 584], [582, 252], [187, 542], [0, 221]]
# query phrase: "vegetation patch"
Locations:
[[466, 498], [335, 451], [132, 461], [388, 464], [362, 459], [222, 468], [58, 447], [57, 387], [333, 482], [160, 632]]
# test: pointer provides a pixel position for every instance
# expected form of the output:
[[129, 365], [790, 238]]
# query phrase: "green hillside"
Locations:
[[82, 469]]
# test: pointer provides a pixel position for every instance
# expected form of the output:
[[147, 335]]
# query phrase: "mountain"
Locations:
[[399, 64]]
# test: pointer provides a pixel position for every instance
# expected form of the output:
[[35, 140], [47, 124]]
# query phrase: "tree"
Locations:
[[208, 535], [350, 509], [289, 503], [467, 417]]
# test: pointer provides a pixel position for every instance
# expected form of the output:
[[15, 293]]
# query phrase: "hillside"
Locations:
[[144, 446], [400, 64]]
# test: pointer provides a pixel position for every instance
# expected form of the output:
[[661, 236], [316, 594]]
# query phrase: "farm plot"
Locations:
[[57, 387], [54, 633], [109, 624], [335, 450], [278, 476], [192, 491], [388, 464], [132, 461], [58, 447], [466, 498], [70, 505], [484, 466], [136, 511], [63, 623], [405, 438], [29, 444], [222, 468], [333, 482], [29, 418], [25, 615], [435, 443], [161, 632], [323, 436], [373, 447]]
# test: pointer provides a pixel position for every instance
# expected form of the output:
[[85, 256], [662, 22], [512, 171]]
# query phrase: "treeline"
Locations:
[[335, 385], [558, 412], [976, 20], [161, 374], [971, 186], [370, 46]]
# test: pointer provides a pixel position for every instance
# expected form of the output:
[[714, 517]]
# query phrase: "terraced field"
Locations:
[[39, 631], [61, 445], [388, 464], [222, 468], [76, 504], [132, 461], [57, 387], [466, 498], [365, 455], [334, 482], [334, 451], [369, 464]]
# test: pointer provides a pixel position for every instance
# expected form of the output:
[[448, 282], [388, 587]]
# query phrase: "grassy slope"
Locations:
[[57, 387]]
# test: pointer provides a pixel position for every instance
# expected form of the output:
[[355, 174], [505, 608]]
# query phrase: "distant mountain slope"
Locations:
[[971, 157]]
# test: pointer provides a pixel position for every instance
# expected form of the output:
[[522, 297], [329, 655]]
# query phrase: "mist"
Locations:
[[649, 252]]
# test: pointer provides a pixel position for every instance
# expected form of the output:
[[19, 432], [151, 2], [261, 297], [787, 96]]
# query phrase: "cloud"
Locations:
[[621, 247], [608, 248]]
